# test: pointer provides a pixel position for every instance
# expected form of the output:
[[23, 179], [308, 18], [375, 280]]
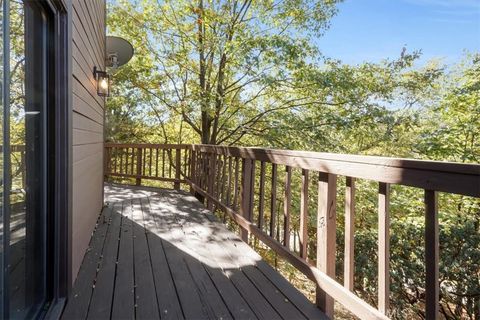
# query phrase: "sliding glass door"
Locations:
[[27, 158]]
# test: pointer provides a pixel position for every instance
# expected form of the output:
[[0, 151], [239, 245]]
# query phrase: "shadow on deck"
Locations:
[[159, 254]]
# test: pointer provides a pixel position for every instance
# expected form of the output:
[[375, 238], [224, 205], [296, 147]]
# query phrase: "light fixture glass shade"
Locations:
[[103, 82]]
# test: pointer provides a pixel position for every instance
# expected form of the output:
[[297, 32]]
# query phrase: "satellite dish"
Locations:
[[119, 52]]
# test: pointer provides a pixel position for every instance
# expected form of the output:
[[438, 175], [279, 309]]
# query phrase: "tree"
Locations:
[[216, 64]]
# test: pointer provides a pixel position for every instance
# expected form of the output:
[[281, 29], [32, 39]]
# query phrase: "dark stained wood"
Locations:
[[212, 165], [177, 169], [304, 215], [236, 185], [431, 255], [210, 182], [145, 291], [261, 196], [85, 282], [175, 261], [101, 302], [229, 182], [123, 298], [138, 181], [349, 268], [287, 203], [247, 193], [324, 281], [326, 225], [273, 200], [167, 300], [433, 175], [156, 162], [383, 247]]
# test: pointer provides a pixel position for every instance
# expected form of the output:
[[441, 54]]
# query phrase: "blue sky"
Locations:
[[369, 30]]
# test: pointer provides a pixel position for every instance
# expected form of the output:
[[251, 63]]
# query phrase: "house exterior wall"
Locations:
[[88, 50]]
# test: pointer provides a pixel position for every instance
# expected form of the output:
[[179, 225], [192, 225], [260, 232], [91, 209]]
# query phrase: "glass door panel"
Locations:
[[26, 273]]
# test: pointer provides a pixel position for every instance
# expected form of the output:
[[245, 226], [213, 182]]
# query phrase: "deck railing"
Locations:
[[254, 187], [160, 162]]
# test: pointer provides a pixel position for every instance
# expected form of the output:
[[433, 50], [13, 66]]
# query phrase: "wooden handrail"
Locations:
[[458, 178], [228, 179]]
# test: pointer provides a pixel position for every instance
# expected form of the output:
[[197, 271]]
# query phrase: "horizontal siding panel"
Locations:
[[88, 51], [81, 152], [82, 107], [82, 122], [83, 24], [87, 200], [81, 137], [93, 15]]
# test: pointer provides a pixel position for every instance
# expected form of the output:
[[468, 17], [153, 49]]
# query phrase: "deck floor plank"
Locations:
[[123, 296], [207, 241], [82, 291], [167, 299], [145, 291], [101, 303], [161, 255]]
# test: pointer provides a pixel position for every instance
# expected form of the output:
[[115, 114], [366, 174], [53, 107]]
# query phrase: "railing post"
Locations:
[[349, 267], [431, 255], [326, 225], [246, 194], [138, 180], [176, 184], [383, 247]]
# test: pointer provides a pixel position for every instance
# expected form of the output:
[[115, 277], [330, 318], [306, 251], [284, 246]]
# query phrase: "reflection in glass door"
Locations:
[[27, 158]]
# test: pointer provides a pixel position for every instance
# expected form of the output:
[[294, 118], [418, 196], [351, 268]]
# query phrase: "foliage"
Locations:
[[248, 73]]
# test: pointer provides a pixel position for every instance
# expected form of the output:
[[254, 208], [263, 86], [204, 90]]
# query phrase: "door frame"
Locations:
[[59, 270], [61, 261]]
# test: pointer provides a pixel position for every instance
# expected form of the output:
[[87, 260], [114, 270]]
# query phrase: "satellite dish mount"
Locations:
[[119, 52]]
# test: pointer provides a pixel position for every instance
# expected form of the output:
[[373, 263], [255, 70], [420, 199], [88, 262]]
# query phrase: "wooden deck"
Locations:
[[159, 254]]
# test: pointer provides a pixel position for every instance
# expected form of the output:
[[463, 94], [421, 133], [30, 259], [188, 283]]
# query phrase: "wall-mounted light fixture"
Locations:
[[103, 82]]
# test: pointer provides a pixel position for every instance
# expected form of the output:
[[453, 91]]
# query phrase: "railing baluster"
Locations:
[[127, 155], [163, 162], [261, 196], [138, 180], [349, 268], [326, 228], [229, 183], [431, 255], [211, 158], [150, 162], [304, 215], [193, 164], [144, 163], [115, 161], [121, 161], [218, 177], [287, 202], [106, 165], [185, 162], [248, 168], [176, 184], [236, 184], [383, 247], [273, 200], [156, 162], [224, 181]]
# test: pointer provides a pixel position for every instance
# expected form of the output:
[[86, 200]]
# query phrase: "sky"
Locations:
[[370, 30]]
